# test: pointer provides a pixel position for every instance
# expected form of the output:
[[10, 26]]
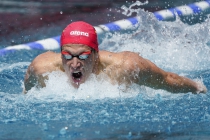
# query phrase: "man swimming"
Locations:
[[80, 57]]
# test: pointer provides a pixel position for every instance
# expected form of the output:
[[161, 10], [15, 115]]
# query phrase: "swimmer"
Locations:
[[80, 57]]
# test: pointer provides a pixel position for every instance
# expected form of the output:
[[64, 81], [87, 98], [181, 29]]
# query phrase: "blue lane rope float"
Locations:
[[54, 42], [187, 10]]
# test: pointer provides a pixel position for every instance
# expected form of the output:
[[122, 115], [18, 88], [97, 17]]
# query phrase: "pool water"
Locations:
[[99, 110]]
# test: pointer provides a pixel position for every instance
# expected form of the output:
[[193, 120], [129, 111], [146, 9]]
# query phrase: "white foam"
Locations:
[[58, 88], [173, 46]]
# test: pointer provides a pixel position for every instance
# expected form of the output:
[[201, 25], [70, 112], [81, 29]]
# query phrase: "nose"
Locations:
[[75, 63]]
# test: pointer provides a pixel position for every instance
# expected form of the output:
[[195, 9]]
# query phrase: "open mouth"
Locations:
[[77, 75]]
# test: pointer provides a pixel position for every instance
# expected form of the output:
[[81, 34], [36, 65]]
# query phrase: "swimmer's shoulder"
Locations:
[[124, 60], [108, 57], [48, 56], [47, 62]]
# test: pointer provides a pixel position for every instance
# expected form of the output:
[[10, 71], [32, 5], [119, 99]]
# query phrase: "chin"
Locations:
[[76, 78], [76, 83]]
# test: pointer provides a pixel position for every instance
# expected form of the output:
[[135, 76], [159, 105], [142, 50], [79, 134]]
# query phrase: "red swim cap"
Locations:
[[80, 33]]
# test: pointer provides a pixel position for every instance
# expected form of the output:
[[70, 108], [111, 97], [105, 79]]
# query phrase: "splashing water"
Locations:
[[99, 110], [170, 45], [129, 10]]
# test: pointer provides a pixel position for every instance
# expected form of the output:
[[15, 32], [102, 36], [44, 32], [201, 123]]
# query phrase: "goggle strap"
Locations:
[[89, 52], [64, 53]]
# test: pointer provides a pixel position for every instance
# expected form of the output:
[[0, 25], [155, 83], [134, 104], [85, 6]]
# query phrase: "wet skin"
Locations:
[[121, 68], [78, 70]]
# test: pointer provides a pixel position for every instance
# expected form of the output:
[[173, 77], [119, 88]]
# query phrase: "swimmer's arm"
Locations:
[[128, 67], [42, 64], [160, 79], [144, 72], [33, 78]]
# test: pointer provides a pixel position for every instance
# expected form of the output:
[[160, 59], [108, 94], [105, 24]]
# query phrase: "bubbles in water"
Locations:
[[58, 88], [173, 46], [97, 132], [44, 127]]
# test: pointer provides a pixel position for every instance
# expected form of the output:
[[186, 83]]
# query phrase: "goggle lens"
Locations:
[[82, 56]]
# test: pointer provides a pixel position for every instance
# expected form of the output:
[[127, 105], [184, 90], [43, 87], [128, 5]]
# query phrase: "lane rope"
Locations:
[[162, 15]]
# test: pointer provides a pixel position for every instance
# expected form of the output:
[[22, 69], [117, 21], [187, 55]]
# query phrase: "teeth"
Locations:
[[76, 71], [76, 75]]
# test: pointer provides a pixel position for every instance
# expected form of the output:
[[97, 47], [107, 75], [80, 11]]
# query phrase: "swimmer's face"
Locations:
[[78, 62]]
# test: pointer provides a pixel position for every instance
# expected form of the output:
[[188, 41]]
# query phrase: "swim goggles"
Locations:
[[82, 56]]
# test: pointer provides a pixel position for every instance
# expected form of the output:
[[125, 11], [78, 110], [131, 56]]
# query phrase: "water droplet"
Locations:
[[63, 131], [44, 127], [130, 134], [97, 132]]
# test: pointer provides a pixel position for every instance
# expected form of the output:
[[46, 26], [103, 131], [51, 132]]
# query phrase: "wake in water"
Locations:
[[58, 88], [172, 46], [60, 111]]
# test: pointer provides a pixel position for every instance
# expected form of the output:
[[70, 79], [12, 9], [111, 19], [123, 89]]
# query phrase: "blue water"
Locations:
[[99, 110]]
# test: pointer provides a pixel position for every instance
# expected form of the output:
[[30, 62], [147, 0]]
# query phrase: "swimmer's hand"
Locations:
[[201, 88]]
